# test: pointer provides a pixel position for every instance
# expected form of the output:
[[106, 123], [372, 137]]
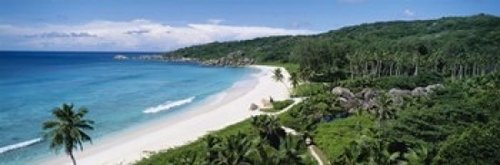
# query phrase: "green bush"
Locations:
[[478, 145], [196, 147], [334, 136], [292, 118], [280, 105], [309, 89], [389, 82]]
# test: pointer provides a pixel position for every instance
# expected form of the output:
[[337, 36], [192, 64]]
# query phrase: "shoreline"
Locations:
[[230, 106]]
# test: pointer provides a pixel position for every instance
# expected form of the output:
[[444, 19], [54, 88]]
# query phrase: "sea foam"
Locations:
[[19, 145], [168, 105]]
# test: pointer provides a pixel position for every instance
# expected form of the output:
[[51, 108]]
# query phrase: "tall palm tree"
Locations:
[[278, 76], [66, 130]]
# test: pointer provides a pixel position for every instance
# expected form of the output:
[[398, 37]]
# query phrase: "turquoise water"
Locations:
[[118, 94]]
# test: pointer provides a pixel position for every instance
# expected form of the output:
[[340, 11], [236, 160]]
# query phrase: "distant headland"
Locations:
[[234, 59]]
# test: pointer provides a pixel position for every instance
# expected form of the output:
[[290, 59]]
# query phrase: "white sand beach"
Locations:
[[234, 106]]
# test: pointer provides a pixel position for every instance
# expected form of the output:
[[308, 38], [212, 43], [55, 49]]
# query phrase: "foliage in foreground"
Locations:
[[260, 140]]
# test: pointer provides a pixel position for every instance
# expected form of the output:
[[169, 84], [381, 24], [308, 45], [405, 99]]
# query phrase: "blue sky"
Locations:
[[162, 25]]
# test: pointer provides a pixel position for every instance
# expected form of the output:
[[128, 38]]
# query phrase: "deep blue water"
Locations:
[[118, 94]]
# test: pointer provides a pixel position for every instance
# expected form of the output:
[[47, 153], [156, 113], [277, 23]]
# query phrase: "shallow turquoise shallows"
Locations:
[[118, 94]]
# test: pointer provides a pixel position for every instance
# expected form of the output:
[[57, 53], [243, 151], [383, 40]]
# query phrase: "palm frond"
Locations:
[[51, 124]]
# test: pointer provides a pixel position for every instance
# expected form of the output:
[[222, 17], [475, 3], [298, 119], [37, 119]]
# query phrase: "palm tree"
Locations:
[[213, 147], [305, 75], [419, 155], [234, 149], [66, 131], [278, 76], [350, 155], [370, 148], [191, 157], [269, 129], [385, 108], [239, 149], [289, 151]]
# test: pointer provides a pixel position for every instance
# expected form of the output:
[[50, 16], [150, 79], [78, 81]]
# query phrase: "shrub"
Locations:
[[309, 89], [402, 82], [280, 105], [475, 146], [333, 137]]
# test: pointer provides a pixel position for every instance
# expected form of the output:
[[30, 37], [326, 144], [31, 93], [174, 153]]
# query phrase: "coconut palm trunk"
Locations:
[[278, 76], [72, 158]]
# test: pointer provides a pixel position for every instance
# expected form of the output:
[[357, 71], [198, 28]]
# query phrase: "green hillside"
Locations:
[[476, 34], [399, 92]]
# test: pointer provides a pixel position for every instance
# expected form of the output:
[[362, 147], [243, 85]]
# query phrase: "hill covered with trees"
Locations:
[[453, 46], [399, 92]]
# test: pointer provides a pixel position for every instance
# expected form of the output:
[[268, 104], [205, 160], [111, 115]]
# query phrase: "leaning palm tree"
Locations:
[[278, 76], [66, 130]]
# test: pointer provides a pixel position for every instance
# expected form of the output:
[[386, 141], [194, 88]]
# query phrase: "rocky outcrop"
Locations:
[[233, 59], [399, 92], [432, 88], [368, 94], [367, 98], [226, 61], [236, 58], [346, 98], [418, 91], [254, 107], [343, 92]]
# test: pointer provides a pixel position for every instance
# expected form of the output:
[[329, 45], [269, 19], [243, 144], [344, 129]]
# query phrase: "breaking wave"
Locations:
[[19, 145], [168, 105]]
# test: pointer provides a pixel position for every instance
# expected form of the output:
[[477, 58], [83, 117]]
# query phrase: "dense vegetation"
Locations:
[[259, 140], [452, 46], [454, 124]]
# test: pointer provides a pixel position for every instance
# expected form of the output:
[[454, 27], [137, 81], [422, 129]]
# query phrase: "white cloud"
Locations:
[[409, 13], [139, 34], [215, 21]]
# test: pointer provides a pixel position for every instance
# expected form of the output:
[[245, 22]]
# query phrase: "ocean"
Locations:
[[119, 94]]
